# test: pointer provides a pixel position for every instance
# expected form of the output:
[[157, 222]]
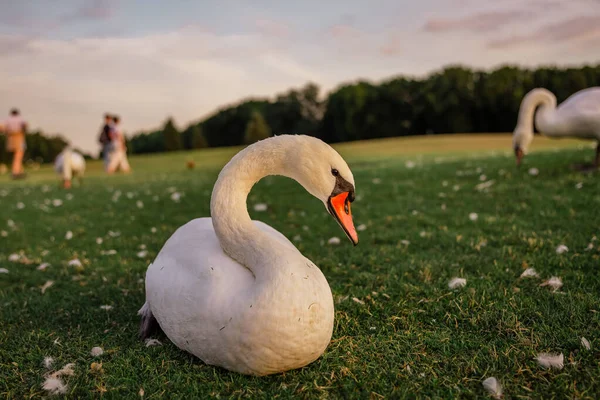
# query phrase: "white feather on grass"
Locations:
[[529, 273], [456, 283], [334, 240], [54, 386], [548, 360], [3, 271], [96, 351], [561, 249], [493, 387], [43, 266], [46, 286], [554, 282], [106, 307], [48, 361], [585, 343], [153, 342]]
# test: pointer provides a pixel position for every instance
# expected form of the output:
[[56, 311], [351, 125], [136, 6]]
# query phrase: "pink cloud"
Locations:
[[480, 22], [92, 10], [577, 28], [270, 27]]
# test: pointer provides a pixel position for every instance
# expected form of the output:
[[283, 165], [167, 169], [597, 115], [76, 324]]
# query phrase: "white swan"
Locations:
[[235, 292], [578, 116], [69, 163]]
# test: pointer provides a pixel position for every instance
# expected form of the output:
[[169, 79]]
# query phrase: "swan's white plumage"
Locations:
[[578, 116], [68, 163], [237, 293]]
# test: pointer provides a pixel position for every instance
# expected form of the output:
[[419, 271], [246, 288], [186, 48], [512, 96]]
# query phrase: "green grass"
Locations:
[[412, 337]]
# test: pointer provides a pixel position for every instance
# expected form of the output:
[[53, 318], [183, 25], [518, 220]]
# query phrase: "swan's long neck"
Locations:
[[239, 237], [546, 102]]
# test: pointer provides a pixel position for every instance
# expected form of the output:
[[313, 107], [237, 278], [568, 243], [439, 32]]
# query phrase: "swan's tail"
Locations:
[[149, 324]]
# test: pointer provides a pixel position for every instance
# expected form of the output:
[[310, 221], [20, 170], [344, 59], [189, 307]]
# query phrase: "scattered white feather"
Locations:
[[54, 386], [561, 249], [589, 247], [46, 286], [534, 171], [96, 351], [10, 223], [74, 263], [57, 202], [361, 227], [484, 185], [357, 300], [334, 240], [108, 252], [410, 164], [473, 216], [297, 238], [153, 342], [457, 283], [529, 273], [405, 242], [153, 230], [14, 257], [585, 343], [3, 233], [579, 185], [554, 282], [20, 205], [69, 235], [3, 271], [66, 370], [114, 234], [493, 387], [142, 254], [548, 360], [48, 361], [482, 177], [260, 207], [106, 307], [175, 196], [99, 240], [139, 204], [43, 266]]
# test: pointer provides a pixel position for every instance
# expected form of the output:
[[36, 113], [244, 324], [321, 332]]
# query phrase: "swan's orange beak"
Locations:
[[519, 155], [339, 207]]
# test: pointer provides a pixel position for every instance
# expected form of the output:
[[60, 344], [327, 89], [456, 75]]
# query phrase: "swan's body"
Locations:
[[69, 163], [577, 117], [236, 293]]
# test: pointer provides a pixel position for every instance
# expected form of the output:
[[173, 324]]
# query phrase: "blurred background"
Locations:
[[190, 75]]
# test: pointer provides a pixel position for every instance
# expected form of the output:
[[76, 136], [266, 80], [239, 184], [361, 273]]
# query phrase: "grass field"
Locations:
[[399, 332]]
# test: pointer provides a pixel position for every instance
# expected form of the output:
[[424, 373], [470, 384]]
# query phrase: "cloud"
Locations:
[[91, 10], [479, 22], [271, 27], [577, 28]]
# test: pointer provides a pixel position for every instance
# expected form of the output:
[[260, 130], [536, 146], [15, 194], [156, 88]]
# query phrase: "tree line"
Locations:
[[455, 99]]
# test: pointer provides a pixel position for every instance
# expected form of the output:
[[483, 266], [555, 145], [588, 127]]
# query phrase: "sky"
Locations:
[[64, 63]]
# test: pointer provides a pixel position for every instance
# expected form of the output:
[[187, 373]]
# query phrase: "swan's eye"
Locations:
[[335, 172]]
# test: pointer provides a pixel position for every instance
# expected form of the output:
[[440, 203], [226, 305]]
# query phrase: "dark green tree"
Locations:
[[256, 129], [171, 136], [198, 139]]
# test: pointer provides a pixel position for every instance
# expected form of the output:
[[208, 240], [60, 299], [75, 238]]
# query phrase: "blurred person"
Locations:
[[106, 140], [14, 128], [118, 152], [69, 163]]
